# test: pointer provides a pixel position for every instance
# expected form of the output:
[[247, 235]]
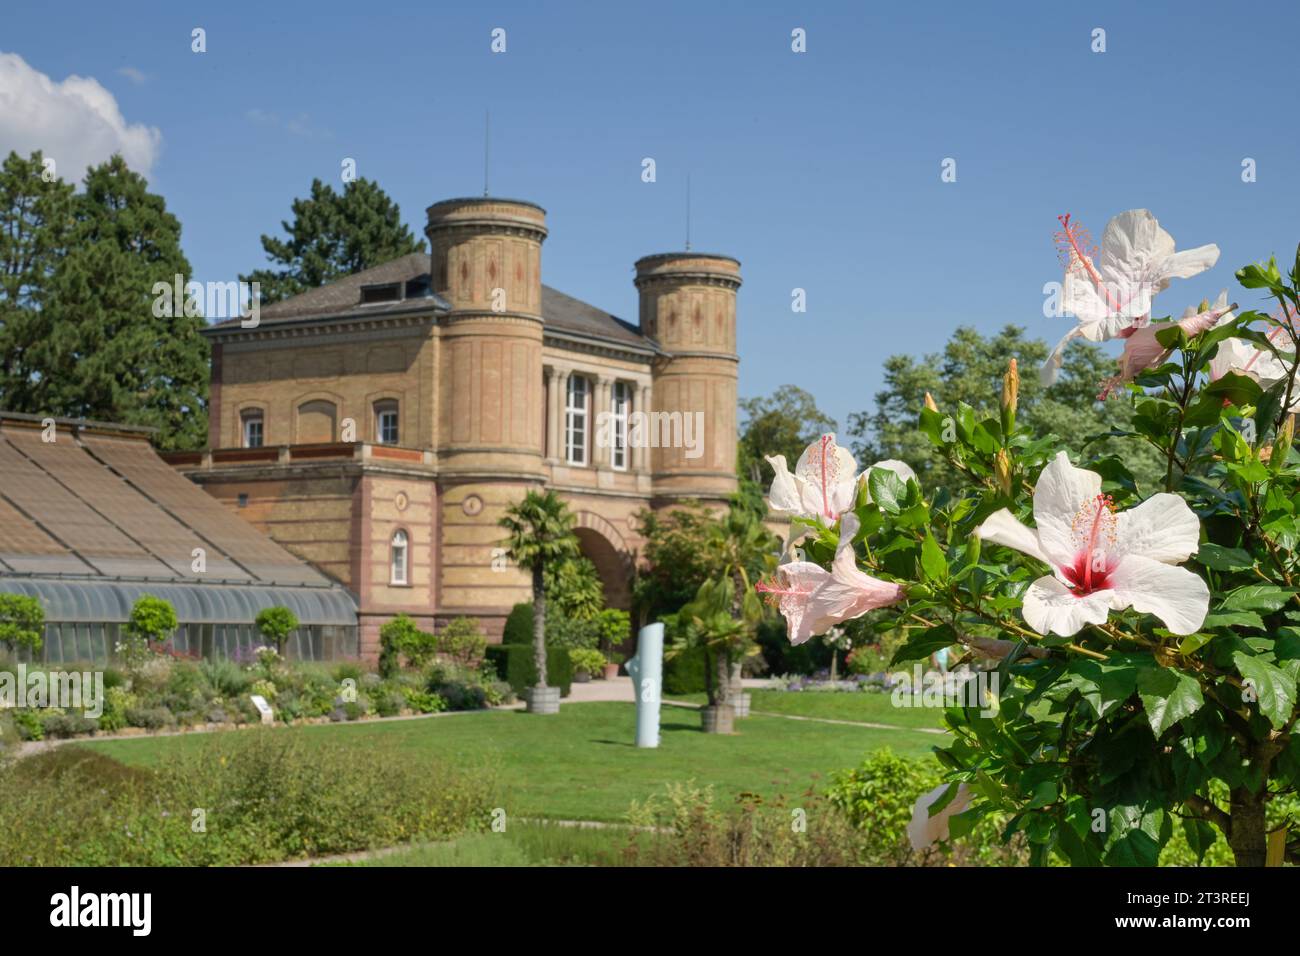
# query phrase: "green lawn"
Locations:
[[525, 844], [582, 764], [856, 705]]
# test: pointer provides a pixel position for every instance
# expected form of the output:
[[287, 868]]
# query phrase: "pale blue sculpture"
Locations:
[[647, 670]]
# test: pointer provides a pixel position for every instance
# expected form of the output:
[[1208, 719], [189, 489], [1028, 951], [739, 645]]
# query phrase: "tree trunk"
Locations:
[[539, 625], [723, 678], [1248, 837]]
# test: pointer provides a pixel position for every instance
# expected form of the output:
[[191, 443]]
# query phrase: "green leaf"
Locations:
[[921, 645], [1224, 559], [1200, 836], [1233, 619], [1256, 597], [1104, 686], [1274, 688], [933, 562], [887, 489], [1168, 696]]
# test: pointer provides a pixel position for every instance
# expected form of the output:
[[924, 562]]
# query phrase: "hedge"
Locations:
[[519, 625], [514, 662], [684, 673]]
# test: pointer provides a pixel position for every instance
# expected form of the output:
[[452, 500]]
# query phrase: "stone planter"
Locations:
[[545, 700], [611, 670], [718, 720], [582, 676], [739, 699]]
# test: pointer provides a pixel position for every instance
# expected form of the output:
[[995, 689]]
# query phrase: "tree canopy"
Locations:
[[79, 332], [970, 370], [333, 235]]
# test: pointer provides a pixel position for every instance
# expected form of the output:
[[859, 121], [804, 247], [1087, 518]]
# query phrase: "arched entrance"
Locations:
[[603, 545]]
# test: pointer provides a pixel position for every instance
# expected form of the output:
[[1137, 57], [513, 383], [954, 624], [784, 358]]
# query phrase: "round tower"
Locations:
[[486, 260], [688, 305]]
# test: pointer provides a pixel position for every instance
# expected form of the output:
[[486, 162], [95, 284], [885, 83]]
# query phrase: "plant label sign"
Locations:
[[263, 708]]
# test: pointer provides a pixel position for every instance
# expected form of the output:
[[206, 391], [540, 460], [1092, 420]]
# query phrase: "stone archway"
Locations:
[[603, 545]]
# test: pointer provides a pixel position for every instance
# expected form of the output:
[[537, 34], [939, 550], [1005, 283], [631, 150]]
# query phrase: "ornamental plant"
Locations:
[[1145, 639]]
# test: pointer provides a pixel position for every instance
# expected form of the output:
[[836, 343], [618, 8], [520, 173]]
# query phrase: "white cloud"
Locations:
[[138, 77], [300, 125], [76, 122]]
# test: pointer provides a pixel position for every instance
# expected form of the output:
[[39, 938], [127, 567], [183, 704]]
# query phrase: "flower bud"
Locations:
[[1010, 398], [1002, 471], [1282, 445], [929, 402]]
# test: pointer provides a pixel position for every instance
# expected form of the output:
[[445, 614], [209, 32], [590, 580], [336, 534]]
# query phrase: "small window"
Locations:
[[243, 500], [253, 435], [575, 421], [386, 427], [388, 292], [622, 395], [419, 287], [399, 549]]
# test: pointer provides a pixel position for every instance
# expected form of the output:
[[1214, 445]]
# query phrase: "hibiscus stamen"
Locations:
[[1094, 530], [1075, 246]]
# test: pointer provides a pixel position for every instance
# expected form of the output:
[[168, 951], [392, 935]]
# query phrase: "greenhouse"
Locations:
[[91, 520]]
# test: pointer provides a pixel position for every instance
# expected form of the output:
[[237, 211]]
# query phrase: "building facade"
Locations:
[[379, 426]]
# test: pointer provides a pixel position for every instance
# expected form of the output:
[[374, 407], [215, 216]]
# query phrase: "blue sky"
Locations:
[[818, 170]]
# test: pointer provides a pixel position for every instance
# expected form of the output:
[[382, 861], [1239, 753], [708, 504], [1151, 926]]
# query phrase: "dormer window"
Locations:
[[419, 288], [385, 292]]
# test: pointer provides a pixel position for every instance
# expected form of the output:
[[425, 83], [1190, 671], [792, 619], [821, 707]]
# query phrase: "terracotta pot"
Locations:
[[611, 670]]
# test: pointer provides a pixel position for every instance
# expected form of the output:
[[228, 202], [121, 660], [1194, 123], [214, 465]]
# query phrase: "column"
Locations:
[[600, 436], [641, 403], [552, 432], [561, 383]]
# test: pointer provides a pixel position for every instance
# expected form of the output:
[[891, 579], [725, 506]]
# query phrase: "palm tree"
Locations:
[[540, 532], [741, 550]]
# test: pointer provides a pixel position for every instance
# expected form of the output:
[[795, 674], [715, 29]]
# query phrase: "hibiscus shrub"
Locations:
[[1147, 639]]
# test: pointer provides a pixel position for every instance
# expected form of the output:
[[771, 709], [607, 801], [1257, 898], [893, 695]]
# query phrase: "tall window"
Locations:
[[386, 430], [399, 552], [252, 429], [622, 394], [575, 421]]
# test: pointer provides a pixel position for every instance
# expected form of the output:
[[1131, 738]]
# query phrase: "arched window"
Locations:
[[252, 428], [399, 549], [386, 428]]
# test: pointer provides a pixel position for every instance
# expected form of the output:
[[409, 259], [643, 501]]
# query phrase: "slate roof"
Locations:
[[560, 312]]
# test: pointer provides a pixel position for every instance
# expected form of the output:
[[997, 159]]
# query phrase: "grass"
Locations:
[[582, 764], [857, 705], [524, 844]]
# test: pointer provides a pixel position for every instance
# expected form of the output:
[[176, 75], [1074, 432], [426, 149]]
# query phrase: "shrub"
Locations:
[[29, 724], [586, 659], [276, 624], [515, 665], [68, 725], [462, 641], [400, 638], [347, 669], [150, 718], [425, 701], [22, 621], [684, 672], [876, 798], [571, 633], [268, 795], [519, 625], [224, 678], [263, 688], [117, 701]]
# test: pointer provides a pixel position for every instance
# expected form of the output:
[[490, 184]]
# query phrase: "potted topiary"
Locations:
[[586, 661]]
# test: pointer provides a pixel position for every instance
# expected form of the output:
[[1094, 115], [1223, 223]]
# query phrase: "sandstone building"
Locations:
[[378, 426]]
